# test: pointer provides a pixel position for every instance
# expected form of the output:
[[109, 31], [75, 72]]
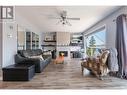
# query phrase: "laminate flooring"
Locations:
[[65, 76]]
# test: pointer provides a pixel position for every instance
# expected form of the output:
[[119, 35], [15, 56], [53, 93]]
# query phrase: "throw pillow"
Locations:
[[39, 56], [26, 54], [47, 53]]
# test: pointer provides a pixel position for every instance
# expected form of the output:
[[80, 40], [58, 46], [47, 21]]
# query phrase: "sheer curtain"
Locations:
[[121, 45]]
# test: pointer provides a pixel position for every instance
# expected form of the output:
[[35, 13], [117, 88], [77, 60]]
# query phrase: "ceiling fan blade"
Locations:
[[68, 23], [54, 17], [73, 18], [58, 22], [50, 16]]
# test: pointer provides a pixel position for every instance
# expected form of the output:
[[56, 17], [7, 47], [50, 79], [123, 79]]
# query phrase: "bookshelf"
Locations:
[[32, 40]]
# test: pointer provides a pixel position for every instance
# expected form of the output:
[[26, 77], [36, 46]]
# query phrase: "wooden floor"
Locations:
[[65, 76]]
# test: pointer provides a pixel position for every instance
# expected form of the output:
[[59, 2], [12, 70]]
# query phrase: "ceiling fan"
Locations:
[[64, 18]]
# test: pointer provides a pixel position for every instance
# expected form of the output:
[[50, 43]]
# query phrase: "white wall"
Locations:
[[110, 26], [9, 46], [8, 42]]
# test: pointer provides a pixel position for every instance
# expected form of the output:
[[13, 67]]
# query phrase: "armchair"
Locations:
[[97, 65]]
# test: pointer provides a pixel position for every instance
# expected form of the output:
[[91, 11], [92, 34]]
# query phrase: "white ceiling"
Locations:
[[40, 16]]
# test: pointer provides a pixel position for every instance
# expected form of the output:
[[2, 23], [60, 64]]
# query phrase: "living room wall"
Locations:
[[110, 24], [9, 43], [9, 38]]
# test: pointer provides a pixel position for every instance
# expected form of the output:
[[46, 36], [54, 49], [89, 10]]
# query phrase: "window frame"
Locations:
[[98, 29]]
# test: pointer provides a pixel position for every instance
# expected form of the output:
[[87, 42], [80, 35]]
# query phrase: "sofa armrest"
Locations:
[[20, 59]]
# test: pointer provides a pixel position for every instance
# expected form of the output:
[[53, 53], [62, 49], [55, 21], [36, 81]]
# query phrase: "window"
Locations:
[[95, 41]]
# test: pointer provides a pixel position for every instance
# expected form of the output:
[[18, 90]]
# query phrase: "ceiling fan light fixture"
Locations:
[[63, 23], [64, 18]]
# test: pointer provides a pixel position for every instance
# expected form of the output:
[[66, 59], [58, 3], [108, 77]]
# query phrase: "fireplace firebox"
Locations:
[[64, 52]]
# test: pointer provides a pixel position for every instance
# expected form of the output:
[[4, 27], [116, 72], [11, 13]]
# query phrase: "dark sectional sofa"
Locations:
[[27, 63], [22, 57]]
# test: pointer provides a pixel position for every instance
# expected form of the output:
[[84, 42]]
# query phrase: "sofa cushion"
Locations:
[[28, 53], [20, 52], [36, 52], [46, 56], [37, 56], [47, 53]]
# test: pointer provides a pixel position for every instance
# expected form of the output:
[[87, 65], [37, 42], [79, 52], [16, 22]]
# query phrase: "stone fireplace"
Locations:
[[66, 50]]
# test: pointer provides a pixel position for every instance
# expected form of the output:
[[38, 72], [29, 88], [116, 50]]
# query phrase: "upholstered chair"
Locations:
[[97, 65]]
